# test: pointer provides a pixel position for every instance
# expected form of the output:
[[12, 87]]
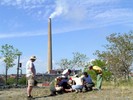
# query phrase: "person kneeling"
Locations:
[[88, 83], [55, 87]]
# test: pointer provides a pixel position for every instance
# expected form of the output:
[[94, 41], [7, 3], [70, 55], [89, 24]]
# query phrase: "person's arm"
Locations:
[[32, 69], [99, 71], [84, 82], [56, 83]]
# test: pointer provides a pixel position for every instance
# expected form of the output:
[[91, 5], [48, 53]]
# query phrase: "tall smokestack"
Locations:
[[49, 46]]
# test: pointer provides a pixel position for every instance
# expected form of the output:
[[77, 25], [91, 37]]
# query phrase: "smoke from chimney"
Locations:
[[59, 9]]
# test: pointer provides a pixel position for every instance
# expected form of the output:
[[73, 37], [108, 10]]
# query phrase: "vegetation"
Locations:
[[78, 60], [12, 81], [8, 55], [22, 81], [115, 61], [118, 54], [106, 72]]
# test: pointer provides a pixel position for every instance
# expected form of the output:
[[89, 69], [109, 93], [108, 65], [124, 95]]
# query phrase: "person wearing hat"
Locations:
[[98, 72], [30, 75]]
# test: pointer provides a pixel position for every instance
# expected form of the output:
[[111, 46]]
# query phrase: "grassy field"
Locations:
[[108, 92]]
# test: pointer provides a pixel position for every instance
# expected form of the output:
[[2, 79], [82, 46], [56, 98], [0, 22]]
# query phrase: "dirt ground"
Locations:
[[107, 93]]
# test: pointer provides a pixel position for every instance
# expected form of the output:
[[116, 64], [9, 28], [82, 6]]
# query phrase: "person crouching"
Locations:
[[55, 86], [88, 83]]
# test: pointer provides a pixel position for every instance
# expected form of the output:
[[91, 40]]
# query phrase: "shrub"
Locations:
[[11, 81], [22, 81], [106, 75]]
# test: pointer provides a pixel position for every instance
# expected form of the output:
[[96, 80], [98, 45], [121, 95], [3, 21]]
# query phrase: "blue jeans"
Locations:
[[77, 87]]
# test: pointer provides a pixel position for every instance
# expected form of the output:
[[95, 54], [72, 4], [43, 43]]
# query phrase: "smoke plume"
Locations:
[[61, 8]]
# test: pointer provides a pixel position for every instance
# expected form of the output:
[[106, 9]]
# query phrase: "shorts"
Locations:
[[30, 81]]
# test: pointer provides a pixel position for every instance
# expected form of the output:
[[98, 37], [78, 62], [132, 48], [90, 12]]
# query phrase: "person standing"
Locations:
[[30, 75], [98, 71]]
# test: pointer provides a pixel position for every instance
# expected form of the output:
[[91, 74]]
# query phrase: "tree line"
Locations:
[[116, 60]]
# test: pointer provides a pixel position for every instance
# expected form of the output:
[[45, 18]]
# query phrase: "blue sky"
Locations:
[[77, 26]]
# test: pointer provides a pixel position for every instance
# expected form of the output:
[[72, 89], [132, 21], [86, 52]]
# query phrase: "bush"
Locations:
[[106, 75], [11, 81], [22, 81]]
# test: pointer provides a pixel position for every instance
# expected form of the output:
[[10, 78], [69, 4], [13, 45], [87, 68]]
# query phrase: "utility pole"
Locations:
[[18, 54]]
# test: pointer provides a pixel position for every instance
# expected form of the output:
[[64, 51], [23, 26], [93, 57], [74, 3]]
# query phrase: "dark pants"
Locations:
[[88, 86], [53, 91]]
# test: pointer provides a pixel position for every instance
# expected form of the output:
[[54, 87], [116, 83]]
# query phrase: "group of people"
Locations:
[[65, 82]]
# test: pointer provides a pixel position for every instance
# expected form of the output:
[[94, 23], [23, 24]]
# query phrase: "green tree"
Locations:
[[64, 63], [22, 80], [9, 54], [118, 54], [103, 65], [78, 60]]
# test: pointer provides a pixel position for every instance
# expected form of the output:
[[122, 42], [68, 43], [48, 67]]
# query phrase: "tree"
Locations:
[[78, 60], [100, 63], [9, 54], [64, 63], [118, 54]]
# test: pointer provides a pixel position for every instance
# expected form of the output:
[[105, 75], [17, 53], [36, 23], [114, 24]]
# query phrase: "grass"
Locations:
[[108, 92]]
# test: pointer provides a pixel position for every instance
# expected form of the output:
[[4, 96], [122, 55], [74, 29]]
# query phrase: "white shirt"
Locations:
[[78, 80], [65, 73], [30, 65]]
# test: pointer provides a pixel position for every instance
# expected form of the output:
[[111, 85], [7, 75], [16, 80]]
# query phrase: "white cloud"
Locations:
[[25, 34], [75, 8], [115, 13], [78, 14]]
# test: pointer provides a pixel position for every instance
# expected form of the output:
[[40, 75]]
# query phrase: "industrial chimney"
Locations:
[[49, 46]]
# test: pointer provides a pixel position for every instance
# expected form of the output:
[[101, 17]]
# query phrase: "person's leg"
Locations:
[[29, 90], [77, 88], [53, 91], [30, 87], [90, 86], [99, 81], [85, 88]]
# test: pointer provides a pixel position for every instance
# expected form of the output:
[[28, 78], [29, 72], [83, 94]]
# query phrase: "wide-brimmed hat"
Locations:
[[33, 57]]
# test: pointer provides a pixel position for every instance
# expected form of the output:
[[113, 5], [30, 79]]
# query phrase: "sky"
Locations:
[[77, 26]]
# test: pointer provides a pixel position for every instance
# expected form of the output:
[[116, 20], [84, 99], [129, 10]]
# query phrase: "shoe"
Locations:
[[76, 91], [29, 96], [52, 94], [80, 90], [96, 89]]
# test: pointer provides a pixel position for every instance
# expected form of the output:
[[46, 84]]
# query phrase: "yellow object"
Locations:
[[97, 69]]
